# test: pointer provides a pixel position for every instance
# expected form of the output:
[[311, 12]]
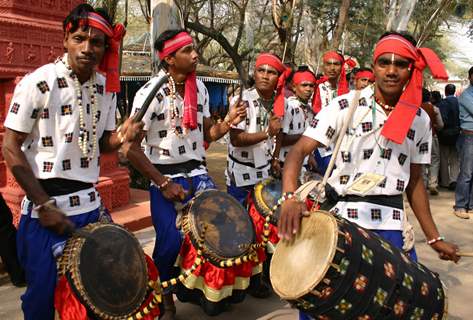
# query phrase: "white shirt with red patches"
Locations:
[[258, 155], [296, 119], [161, 144], [45, 107], [364, 150]]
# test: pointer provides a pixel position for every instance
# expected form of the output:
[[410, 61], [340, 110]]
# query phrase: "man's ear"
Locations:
[[169, 60]]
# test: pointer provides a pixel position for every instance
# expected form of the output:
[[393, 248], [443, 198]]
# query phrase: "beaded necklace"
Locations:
[[173, 109], [83, 139]]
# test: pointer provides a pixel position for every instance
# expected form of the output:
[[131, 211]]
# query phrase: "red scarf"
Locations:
[[179, 41], [365, 74], [273, 61], [111, 60], [342, 86], [303, 76], [401, 118]]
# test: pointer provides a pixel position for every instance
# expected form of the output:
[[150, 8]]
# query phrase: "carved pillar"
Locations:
[[30, 36]]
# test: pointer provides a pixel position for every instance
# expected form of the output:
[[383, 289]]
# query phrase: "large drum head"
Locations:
[[298, 266], [228, 228], [110, 273]]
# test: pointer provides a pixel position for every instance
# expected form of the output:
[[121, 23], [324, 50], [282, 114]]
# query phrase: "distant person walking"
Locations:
[[463, 192], [448, 138]]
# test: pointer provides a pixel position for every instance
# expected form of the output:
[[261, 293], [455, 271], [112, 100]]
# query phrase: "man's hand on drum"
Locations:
[[290, 218], [446, 250], [53, 219], [174, 192]]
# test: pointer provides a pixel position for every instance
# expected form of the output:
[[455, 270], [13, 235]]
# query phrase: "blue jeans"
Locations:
[[35, 252], [168, 237], [464, 191], [322, 162]]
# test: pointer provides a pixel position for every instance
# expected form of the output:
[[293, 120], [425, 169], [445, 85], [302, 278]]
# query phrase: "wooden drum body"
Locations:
[[335, 269]]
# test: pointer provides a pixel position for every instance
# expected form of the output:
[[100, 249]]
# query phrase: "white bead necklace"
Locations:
[[173, 110], [88, 150]]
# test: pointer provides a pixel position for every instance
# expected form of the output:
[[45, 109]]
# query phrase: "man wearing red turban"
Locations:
[[62, 117], [363, 78], [387, 143], [176, 125]]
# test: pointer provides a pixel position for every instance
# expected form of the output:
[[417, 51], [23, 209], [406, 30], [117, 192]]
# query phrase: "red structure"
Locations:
[[30, 36]]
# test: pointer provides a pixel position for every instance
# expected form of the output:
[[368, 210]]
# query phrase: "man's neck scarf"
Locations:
[[177, 42], [401, 118], [273, 61], [342, 86], [111, 60]]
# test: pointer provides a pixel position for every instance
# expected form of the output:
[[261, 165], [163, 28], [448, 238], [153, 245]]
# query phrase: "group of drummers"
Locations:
[[212, 247]]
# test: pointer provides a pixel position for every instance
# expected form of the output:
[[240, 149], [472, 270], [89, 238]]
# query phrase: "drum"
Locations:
[[219, 253], [337, 270], [219, 225], [265, 197], [108, 273]]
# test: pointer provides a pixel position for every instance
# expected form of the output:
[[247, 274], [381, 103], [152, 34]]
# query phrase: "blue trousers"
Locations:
[[395, 238], [168, 237], [464, 189], [35, 245], [240, 193]]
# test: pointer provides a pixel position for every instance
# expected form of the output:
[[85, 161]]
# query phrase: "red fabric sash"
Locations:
[[302, 76], [401, 118], [179, 41], [364, 74]]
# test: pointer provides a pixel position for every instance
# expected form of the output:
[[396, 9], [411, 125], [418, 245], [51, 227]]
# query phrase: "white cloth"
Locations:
[[45, 106], [72, 204], [295, 121], [161, 144], [327, 94], [364, 150], [260, 154]]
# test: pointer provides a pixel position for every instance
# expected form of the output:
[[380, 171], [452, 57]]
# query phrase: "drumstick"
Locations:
[[464, 254], [139, 115]]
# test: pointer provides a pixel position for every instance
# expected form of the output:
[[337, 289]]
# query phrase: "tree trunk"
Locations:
[[342, 20]]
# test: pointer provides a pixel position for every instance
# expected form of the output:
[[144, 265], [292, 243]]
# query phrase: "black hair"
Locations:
[[161, 39], [436, 97], [81, 12], [425, 95], [403, 34], [450, 89], [470, 72]]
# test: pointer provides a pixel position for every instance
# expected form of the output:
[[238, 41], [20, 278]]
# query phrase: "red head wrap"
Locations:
[[303, 76], [273, 61], [365, 74], [111, 60], [401, 118], [177, 42], [342, 86]]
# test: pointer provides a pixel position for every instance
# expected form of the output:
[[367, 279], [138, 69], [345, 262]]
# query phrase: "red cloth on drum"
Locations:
[[69, 307], [66, 303], [258, 222], [213, 276]]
